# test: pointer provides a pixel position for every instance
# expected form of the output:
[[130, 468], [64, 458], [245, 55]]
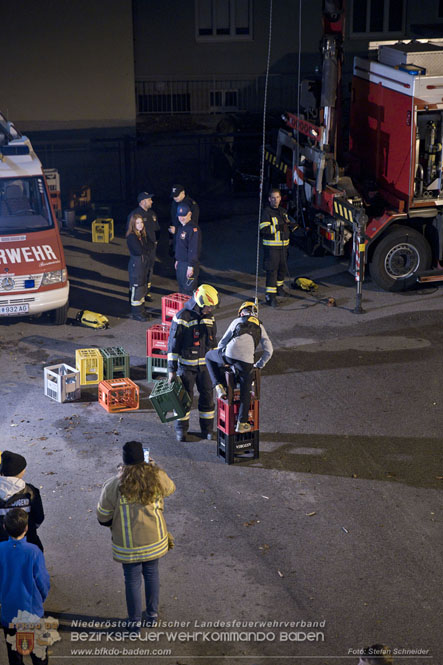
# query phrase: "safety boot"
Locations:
[[206, 428], [271, 300], [137, 313], [180, 431], [281, 291], [241, 428], [220, 391]]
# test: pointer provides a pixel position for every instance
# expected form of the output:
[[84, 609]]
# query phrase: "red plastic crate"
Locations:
[[227, 415], [171, 304], [157, 340]]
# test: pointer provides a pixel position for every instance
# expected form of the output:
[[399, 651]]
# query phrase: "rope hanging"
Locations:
[[262, 166]]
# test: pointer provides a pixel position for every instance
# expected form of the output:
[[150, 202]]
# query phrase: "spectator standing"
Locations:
[[192, 335], [187, 250], [131, 504], [138, 265], [237, 348], [15, 493], [152, 228], [24, 580]]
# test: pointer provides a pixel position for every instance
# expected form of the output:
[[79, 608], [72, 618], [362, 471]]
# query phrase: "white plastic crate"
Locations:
[[62, 383]]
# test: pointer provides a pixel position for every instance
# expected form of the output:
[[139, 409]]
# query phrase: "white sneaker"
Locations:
[[241, 428], [221, 391]]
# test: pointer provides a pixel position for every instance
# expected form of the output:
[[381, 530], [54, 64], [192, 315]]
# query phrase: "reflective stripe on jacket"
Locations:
[[139, 532], [272, 235], [191, 336]]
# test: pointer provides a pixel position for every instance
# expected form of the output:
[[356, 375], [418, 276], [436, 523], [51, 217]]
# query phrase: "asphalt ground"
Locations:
[[339, 521]]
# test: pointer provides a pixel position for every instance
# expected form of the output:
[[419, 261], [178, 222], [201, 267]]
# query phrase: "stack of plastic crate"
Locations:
[[231, 445], [157, 335], [157, 350]]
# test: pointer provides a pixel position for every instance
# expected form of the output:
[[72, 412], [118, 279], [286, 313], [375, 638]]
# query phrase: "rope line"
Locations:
[[262, 166], [298, 112]]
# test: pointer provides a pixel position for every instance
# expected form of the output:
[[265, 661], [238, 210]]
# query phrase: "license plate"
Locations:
[[13, 310]]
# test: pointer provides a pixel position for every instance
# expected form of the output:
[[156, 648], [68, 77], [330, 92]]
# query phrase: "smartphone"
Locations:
[[146, 454]]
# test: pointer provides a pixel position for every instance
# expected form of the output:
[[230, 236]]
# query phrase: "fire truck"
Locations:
[[33, 275], [381, 201]]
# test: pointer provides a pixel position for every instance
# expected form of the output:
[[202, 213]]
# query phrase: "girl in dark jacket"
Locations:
[[138, 266]]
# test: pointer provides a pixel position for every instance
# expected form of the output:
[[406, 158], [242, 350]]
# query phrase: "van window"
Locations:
[[24, 206]]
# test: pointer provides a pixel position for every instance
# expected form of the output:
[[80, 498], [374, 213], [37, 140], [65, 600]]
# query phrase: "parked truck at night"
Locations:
[[380, 202], [33, 274]]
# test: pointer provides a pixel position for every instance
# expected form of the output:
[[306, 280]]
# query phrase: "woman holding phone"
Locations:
[[131, 504]]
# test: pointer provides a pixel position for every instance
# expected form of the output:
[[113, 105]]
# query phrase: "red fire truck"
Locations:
[[33, 275], [382, 202]]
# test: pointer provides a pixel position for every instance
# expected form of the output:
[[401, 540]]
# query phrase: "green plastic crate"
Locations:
[[115, 362], [166, 397], [155, 366]]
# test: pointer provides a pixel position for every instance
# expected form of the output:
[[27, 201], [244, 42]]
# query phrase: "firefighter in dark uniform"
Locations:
[[192, 335], [187, 250], [275, 229], [237, 348], [179, 195], [152, 228]]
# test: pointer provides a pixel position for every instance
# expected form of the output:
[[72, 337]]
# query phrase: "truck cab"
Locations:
[[33, 274]]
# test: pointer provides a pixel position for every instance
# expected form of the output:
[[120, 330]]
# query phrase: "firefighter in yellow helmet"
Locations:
[[237, 348], [192, 335]]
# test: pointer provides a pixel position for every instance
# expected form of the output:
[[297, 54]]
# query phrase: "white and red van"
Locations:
[[33, 274]]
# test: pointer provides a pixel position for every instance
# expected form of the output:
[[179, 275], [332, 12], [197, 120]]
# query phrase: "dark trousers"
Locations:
[[150, 270], [275, 264], [215, 361], [133, 573], [200, 378], [186, 285], [16, 658]]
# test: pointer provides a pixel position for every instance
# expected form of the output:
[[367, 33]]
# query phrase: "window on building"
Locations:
[[377, 17], [223, 100], [223, 19]]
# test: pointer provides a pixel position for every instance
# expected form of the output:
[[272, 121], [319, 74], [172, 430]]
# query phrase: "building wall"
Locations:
[[67, 64], [166, 45]]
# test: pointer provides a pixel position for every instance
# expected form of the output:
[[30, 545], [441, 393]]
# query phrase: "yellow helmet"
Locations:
[[248, 304], [206, 296]]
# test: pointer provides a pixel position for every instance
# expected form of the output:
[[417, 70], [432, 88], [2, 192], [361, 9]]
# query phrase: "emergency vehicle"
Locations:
[[33, 274], [381, 202]]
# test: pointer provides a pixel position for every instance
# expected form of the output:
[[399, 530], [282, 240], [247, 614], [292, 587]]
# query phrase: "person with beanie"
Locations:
[[131, 504], [15, 493]]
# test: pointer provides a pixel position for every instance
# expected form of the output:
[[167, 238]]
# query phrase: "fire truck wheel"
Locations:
[[60, 315], [398, 257]]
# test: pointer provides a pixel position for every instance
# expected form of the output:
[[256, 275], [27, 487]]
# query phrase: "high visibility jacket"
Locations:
[[275, 227], [191, 336], [139, 532]]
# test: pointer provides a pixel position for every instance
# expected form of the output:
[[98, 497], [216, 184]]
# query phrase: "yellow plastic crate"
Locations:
[[103, 229], [89, 363]]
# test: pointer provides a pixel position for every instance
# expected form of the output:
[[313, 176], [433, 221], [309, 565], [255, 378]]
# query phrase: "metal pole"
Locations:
[[359, 250]]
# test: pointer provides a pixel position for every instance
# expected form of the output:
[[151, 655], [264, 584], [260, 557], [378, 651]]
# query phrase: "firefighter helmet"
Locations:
[[206, 296], [248, 305]]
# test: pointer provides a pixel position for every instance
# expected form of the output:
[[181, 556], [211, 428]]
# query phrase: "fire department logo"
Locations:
[[32, 634], [24, 642], [7, 283]]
